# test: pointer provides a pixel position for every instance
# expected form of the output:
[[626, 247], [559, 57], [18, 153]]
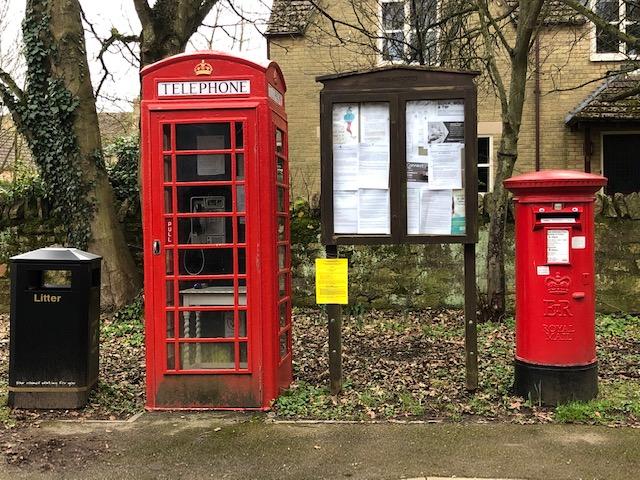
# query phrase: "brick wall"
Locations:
[[565, 64]]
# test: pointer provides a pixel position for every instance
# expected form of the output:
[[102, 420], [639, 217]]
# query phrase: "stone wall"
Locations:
[[26, 224], [400, 276]]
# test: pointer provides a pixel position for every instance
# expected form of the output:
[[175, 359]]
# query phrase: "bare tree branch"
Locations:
[[144, 12], [10, 84]]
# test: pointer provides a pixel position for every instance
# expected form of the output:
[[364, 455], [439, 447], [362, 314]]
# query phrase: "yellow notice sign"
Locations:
[[331, 281]]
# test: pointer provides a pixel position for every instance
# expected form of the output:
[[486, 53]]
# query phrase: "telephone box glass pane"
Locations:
[[167, 168], [243, 355], [281, 201], [194, 293], [169, 293], [205, 324], [203, 136], [282, 290], [242, 261], [170, 323], [171, 360], [282, 256], [284, 344], [435, 167], [208, 199], [168, 253], [283, 314], [168, 200], [207, 261], [207, 356], [240, 200], [239, 135], [361, 146], [166, 137], [239, 166], [204, 230], [242, 237], [242, 323], [281, 229], [279, 141], [279, 169], [203, 168]]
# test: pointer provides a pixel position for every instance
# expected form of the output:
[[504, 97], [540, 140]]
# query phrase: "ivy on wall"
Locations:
[[45, 116]]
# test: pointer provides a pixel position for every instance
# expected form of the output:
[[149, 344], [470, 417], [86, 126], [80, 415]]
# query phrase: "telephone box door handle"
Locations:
[[156, 247], [578, 295]]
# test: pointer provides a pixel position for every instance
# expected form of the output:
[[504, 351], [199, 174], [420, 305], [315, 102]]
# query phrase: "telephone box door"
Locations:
[[202, 217]]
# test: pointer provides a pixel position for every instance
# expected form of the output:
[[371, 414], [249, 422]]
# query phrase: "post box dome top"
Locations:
[[555, 182], [211, 55], [56, 254]]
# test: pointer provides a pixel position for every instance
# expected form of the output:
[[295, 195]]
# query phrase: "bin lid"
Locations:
[[555, 182], [57, 254]]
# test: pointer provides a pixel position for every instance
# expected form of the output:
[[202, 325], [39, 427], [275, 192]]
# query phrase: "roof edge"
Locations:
[[384, 68], [207, 54]]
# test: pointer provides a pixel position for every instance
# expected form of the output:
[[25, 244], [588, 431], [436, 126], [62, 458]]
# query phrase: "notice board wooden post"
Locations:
[[334, 314], [399, 166]]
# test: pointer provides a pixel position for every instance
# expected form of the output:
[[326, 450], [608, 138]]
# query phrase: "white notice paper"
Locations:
[[374, 166], [445, 166], [345, 212], [373, 214], [435, 212], [557, 246], [345, 167], [413, 210], [374, 124]]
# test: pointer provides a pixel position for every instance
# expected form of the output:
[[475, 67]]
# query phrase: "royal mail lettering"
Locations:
[[559, 332]]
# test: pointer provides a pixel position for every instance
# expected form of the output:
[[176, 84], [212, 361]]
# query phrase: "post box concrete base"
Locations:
[[546, 385]]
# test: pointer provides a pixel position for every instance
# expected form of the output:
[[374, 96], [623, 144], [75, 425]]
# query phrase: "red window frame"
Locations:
[[164, 225]]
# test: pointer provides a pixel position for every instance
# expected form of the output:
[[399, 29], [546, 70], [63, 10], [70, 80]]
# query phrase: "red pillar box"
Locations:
[[555, 294], [217, 269]]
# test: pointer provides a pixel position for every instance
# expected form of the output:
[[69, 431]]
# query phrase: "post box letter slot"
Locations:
[[557, 217]]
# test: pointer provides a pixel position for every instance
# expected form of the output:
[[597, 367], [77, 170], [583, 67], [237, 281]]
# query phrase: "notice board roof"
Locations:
[[405, 76]]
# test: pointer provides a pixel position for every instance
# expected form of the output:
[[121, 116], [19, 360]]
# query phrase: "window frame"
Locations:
[[488, 165], [622, 23], [406, 32]]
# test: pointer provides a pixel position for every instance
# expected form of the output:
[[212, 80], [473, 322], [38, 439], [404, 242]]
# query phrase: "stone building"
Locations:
[[569, 119]]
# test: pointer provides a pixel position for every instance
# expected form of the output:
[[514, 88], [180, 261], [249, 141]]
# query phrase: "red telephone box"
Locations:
[[555, 293], [215, 182]]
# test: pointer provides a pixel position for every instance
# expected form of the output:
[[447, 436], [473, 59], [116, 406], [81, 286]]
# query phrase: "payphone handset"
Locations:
[[207, 230]]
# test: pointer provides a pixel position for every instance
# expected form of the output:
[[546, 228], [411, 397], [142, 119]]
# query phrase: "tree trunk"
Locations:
[[528, 21], [496, 283], [120, 278]]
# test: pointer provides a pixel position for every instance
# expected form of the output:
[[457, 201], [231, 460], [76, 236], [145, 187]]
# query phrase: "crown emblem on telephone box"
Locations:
[[557, 285], [203, 68]]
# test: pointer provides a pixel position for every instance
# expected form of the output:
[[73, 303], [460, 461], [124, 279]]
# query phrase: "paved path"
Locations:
[[206, 445]]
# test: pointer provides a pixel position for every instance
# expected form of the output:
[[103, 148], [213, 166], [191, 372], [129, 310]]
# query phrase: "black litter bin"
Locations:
[[54, 336]]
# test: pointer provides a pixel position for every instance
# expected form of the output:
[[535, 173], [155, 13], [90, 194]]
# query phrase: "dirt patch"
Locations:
[[38, 451]]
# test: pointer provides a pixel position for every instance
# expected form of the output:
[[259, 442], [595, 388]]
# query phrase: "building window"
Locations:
[[406, 33], [484, 164], [623, 15]]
